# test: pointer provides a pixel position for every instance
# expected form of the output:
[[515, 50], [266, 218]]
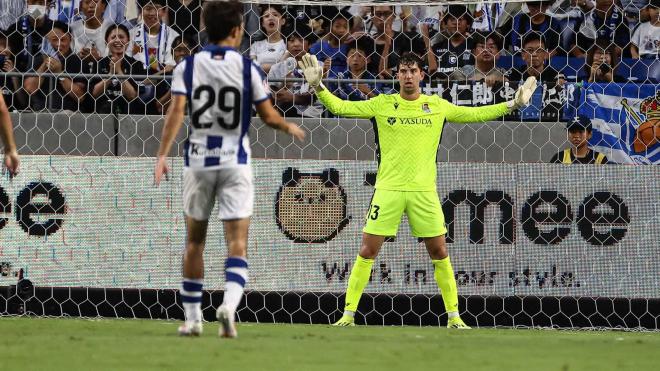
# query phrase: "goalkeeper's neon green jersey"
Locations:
[[408, 133]]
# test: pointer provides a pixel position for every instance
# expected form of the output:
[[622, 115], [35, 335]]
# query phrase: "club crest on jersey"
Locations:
[[426, 108]]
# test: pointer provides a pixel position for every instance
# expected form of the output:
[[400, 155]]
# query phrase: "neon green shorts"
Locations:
[[422, 208]]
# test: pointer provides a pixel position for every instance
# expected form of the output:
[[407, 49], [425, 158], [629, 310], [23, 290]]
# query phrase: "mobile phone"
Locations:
[[2, 61]]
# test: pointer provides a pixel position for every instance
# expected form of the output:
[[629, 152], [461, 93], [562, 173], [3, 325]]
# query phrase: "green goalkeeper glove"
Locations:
[[523, 94], [312, 71]]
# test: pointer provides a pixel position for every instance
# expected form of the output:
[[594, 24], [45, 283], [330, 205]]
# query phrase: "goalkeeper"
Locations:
[[407, 127]]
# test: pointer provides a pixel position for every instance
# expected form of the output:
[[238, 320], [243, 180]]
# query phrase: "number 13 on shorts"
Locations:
[[422, 208]]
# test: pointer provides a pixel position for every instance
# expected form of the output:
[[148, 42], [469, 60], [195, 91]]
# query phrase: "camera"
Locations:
[[605, 68]]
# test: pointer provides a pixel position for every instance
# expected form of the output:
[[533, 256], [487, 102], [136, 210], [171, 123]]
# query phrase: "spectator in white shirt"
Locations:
[[270, 50], [646, 36], [89, 33], [151, 40]]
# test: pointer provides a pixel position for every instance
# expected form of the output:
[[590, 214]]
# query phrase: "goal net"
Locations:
[[534, 242]]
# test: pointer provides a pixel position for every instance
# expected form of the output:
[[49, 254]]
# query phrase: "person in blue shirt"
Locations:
[[358, 59], [332, 48]]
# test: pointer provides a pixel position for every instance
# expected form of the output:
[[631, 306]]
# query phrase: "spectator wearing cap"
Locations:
[[578, 132], [646, 36], [537, 20], [270, 50], [332, 48], [601, 64], [89, 32], [358, 59], [455, 47], [69, 91], [604, 22], [486, 50], [295, 99]]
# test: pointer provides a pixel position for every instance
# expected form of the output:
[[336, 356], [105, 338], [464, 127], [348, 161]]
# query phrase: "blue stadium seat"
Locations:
[[640, 70], [571, 67]]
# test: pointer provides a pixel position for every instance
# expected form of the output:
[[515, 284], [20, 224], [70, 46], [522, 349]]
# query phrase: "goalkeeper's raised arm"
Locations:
[[410, 75]]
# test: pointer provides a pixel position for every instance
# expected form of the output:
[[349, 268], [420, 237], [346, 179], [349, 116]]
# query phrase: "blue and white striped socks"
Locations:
[[236, 275], [191, 297]]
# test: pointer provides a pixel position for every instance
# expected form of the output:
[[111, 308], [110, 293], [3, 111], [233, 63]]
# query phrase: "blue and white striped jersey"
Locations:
[[221, 85]]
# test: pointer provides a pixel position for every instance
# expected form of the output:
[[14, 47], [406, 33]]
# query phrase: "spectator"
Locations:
[[183, 47], [295, 99], [358, 59], [535, 56], [604, 22], [151, 40], [486, 50], [11, 11], [184, 16], [635, 11], [27, 35], [579, 134], [117, 94], [64, 11], [455, 48], [535, 20], [270, 50], [69, 92], [88, 32], [250, 27], [391, 45], [9, 86], [646, 36], [601, 63], [332, 49], [487, 16]]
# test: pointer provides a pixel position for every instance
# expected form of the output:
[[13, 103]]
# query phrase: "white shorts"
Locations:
[[232, 187]]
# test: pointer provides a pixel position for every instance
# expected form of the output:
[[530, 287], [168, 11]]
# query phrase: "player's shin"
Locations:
[[191, 297], [236, 275], [357, 281], [444, 276]]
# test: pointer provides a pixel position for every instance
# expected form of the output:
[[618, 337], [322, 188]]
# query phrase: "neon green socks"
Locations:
[[444, 276], [357, 281]]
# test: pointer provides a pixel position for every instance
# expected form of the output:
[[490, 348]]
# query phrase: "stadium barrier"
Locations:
[[331, 139]]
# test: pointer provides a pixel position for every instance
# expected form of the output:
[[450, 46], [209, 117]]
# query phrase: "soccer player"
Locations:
[[220, 86], [407, 127], [7, 134]]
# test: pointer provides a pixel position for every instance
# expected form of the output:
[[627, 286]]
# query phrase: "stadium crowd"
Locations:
[[132, 46]]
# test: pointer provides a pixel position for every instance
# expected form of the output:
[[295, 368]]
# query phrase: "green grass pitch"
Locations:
[[109, 344]]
